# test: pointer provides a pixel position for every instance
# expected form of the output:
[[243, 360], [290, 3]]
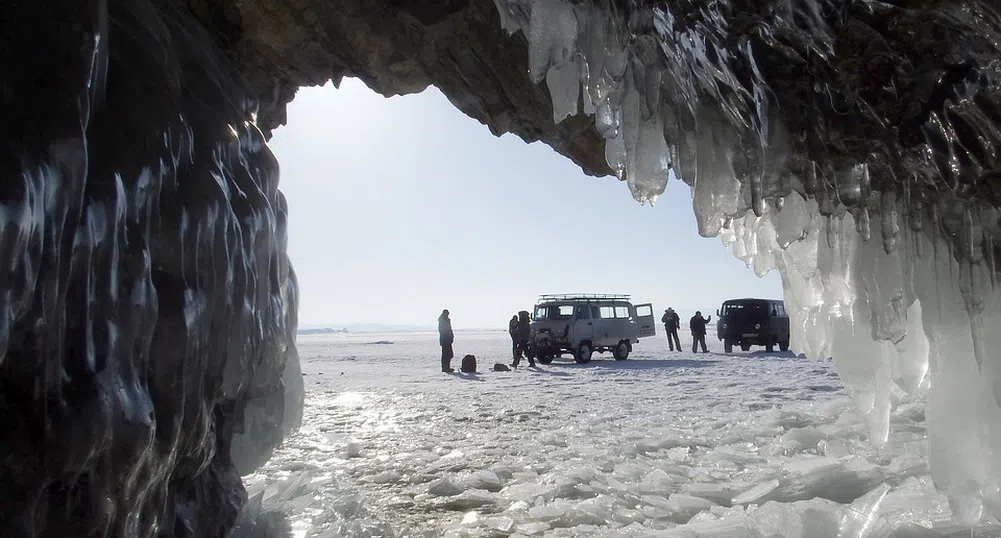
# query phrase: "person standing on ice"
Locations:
[[698, 327], [524, 335], [445, 338], [512, 329], [672, 322]]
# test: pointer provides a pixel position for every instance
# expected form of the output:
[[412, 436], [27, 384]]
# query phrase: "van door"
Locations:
[[645, 320], [582, 327]]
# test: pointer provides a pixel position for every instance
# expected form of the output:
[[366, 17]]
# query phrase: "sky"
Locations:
[[401, 207]]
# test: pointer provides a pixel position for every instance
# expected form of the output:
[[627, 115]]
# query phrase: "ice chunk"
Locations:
[[533, 528], [487, 480], [550, 512], [527, 491], [385, 477], [688, 505], [443, 487], [715, 493], [757, 493], [859, 520], [352, 450], [468, 500], [777, 519], [807, 437], [815, 518]]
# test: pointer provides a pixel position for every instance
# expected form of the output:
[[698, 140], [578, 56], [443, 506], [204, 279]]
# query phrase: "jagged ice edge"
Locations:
[[902, 316]]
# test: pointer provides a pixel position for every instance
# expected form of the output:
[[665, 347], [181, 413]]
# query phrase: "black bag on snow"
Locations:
[[468, 364]]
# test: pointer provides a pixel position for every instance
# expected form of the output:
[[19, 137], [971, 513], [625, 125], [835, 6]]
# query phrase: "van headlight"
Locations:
[[757, 325]]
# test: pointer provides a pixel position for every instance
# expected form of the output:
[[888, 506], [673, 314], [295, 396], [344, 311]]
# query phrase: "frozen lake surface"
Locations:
[[664, 444]]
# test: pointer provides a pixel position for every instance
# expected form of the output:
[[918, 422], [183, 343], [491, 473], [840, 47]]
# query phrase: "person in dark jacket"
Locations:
[[698, 327], [524, 335], [672, 322], [512, 329], [445, 338]]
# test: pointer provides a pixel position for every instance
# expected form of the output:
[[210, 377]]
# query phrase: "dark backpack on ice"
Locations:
[[468, 364]]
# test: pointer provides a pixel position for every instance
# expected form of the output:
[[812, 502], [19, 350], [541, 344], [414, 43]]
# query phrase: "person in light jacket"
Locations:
[[445, 338]]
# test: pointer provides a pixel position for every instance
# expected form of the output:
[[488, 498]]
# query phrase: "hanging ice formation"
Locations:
[[896, 285]]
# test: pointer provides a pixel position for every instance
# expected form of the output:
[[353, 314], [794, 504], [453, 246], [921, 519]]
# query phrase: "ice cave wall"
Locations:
[[148, 309]]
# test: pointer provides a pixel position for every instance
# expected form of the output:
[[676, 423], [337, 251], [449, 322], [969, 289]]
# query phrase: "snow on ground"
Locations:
[[664, 444]]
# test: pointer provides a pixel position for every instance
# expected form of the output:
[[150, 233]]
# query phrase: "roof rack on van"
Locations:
[[584, 297]]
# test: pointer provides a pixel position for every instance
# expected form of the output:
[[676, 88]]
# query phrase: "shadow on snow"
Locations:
[[640, 364]]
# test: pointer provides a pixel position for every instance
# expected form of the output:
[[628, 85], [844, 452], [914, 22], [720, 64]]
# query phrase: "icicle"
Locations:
[[957, 412], [607, 118], [715, 192], [508, 22], [552, 36], [908, 358], [564, 89], [888, 220], [863, 225], [615, 156]]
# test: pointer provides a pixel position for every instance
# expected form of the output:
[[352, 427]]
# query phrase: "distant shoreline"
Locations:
[[380, 329]]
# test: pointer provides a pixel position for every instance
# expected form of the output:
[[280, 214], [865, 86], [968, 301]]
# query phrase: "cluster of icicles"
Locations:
[[917, 311]]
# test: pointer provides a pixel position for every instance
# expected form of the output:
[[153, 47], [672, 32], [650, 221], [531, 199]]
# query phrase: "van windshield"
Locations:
[[554, 312], [746, 309]]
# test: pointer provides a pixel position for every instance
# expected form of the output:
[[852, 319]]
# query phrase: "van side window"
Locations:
[[583, 312], [595, 312], [621, 312], [607, 312]]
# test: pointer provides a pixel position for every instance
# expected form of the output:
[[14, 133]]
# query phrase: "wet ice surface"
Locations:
[[663, 444]]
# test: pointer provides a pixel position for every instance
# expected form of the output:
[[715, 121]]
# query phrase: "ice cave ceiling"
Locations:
[[853, 81], [396, 47]]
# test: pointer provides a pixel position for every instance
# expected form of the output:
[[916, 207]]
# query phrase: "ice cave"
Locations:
[[149, 311]]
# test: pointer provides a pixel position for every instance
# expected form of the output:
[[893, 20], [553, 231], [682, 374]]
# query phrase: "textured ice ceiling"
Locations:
[[148, 307]]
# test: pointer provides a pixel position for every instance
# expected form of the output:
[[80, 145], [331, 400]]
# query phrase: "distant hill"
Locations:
[[324, 330], [365, 328]]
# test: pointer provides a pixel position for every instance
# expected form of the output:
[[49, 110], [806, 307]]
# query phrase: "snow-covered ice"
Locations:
[[663, 444]]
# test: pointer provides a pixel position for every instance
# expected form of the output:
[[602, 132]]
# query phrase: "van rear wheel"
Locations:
[[745, 347], [770, 346], [583, 354], [546, 358], [784, 345], [621, 351]]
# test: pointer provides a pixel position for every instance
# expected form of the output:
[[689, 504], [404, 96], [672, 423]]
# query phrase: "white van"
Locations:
[[581, 324]]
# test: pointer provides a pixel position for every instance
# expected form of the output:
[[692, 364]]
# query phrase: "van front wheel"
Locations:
[[621, 351], [728, 345], [583, 355]]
